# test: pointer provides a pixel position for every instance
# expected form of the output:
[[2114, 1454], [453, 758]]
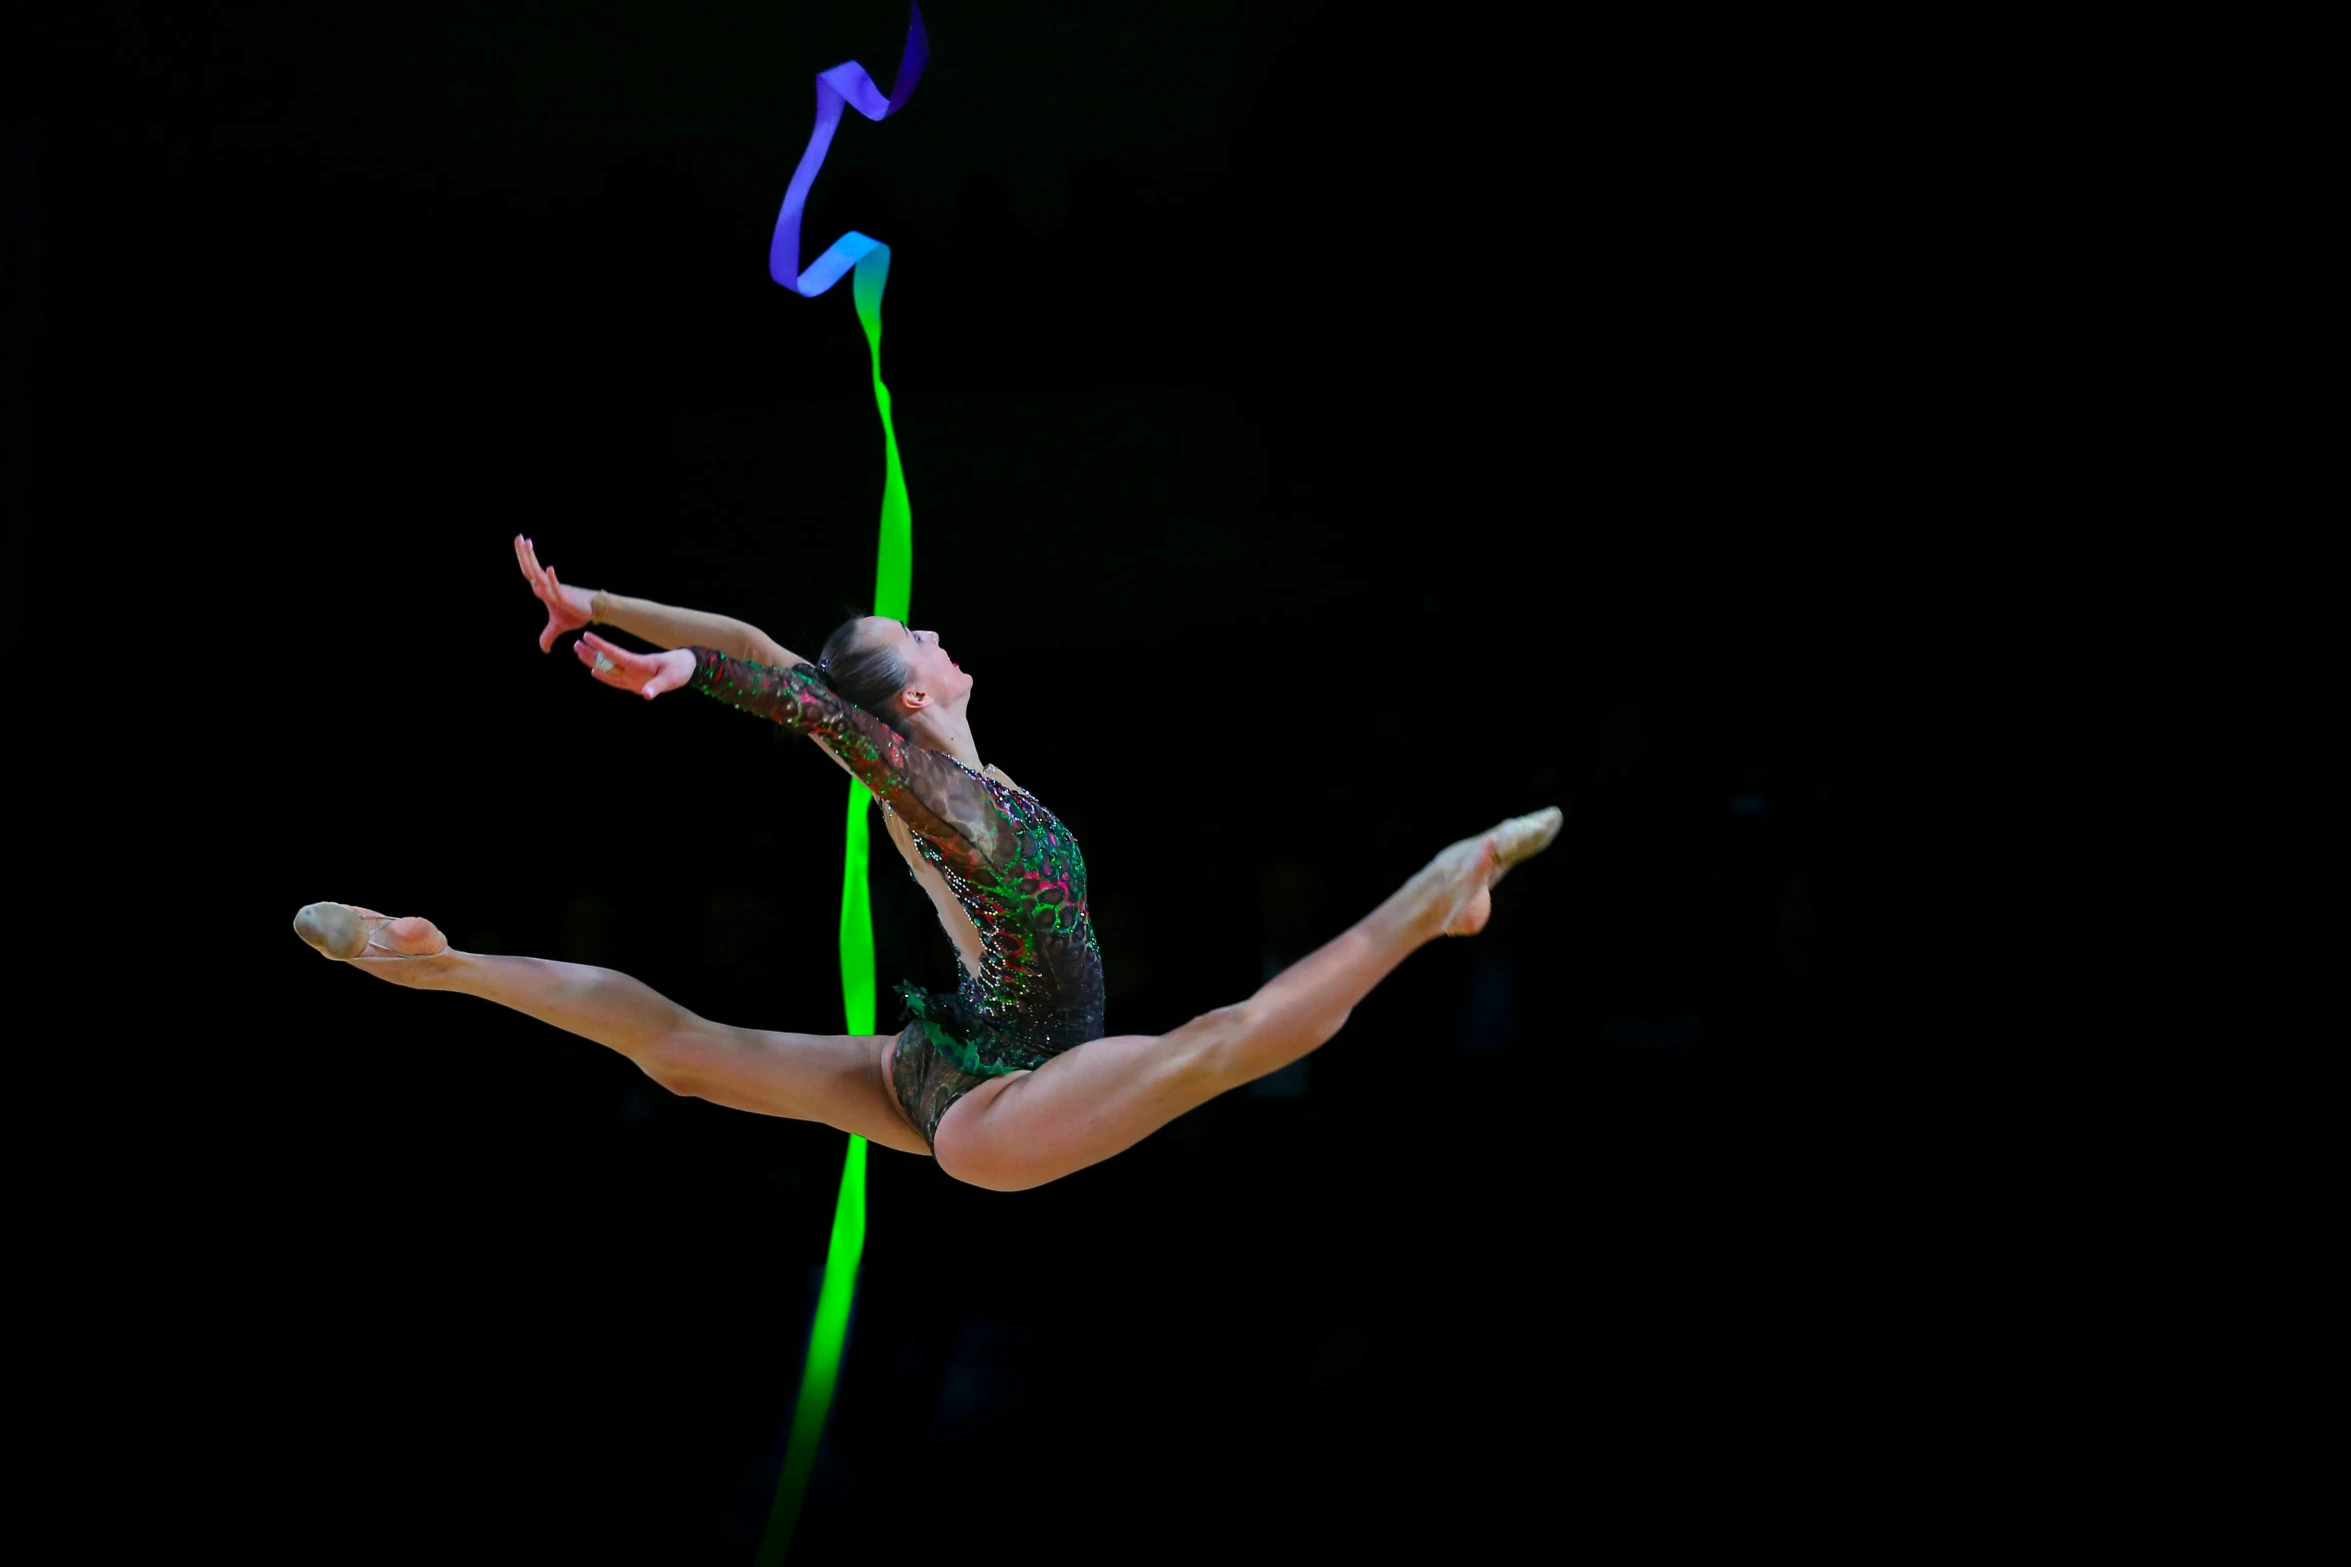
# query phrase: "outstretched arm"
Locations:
[[663, 625], [930, 793]]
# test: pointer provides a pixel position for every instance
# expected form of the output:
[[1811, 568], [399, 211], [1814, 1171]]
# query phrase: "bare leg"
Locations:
[[1109, 1094], [839, 1079]]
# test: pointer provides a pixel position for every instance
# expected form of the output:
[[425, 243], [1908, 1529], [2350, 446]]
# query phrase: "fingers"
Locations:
[[617, 675], [528, 559], [530, 566], [541, 578], [646, 675]]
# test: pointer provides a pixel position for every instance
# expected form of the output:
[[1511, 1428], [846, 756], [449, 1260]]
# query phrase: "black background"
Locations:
[[1329, 430]]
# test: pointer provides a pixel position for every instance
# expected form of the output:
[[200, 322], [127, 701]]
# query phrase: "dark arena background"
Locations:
[[1329, 430]]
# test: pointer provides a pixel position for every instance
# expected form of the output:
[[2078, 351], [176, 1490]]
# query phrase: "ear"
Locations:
[[914, 701]]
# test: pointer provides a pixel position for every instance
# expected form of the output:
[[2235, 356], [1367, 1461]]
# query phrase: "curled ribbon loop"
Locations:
[[843, 84]]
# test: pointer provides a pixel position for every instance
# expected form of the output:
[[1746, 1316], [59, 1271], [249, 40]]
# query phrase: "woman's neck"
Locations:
[[953, 736]]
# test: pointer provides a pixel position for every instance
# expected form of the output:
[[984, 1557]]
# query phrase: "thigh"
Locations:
[[1087, 1103], [842, 1080]]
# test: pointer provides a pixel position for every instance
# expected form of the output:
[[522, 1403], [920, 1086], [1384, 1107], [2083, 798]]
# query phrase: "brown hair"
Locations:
[[868, 673]]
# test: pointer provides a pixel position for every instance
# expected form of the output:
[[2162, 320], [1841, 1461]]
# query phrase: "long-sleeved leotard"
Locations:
[[1010, 863]]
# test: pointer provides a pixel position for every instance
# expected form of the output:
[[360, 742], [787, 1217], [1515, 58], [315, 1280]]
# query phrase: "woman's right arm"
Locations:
[[663, 625], [935, 796]]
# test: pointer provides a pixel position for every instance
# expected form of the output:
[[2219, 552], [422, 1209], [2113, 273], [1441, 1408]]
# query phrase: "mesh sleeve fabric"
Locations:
[[930, 793]]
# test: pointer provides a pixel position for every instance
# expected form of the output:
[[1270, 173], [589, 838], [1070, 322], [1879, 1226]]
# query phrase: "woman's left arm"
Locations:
[[666, 625], [663, 625]]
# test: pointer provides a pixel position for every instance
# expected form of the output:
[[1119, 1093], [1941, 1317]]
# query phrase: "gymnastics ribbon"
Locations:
[[893, 585]]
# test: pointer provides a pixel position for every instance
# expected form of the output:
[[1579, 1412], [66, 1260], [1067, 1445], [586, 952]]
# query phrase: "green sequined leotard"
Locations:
[[1009, 862]]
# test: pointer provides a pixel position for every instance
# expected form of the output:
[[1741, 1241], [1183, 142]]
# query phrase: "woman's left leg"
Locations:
[[839, 1079], [1106, 1095]]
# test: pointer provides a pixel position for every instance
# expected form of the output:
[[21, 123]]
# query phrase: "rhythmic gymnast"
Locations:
[[1010, 1081]]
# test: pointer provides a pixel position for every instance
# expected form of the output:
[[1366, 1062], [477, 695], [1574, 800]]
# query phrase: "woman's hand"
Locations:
[[647, 674], [568, 609]]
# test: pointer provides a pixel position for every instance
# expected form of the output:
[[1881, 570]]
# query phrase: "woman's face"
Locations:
[[929, 669]]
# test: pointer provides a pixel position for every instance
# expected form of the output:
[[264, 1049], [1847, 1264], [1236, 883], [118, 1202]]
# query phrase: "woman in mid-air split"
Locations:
[[1009, 1082]]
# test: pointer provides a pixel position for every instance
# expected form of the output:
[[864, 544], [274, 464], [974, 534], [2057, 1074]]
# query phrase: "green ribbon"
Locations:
[[893, 586]]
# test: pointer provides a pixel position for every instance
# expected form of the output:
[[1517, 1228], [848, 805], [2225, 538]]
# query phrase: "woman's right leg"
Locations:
[[1106, 1095], [839, 1079]]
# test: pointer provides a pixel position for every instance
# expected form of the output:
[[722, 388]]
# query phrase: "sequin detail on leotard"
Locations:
[[1011, 865]]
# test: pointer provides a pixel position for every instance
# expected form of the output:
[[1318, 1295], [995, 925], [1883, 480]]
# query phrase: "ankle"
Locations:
[[1414, 913], [447, 969]]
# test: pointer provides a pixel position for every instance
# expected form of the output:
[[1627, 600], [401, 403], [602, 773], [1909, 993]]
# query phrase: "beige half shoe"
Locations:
[[344, 932]]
